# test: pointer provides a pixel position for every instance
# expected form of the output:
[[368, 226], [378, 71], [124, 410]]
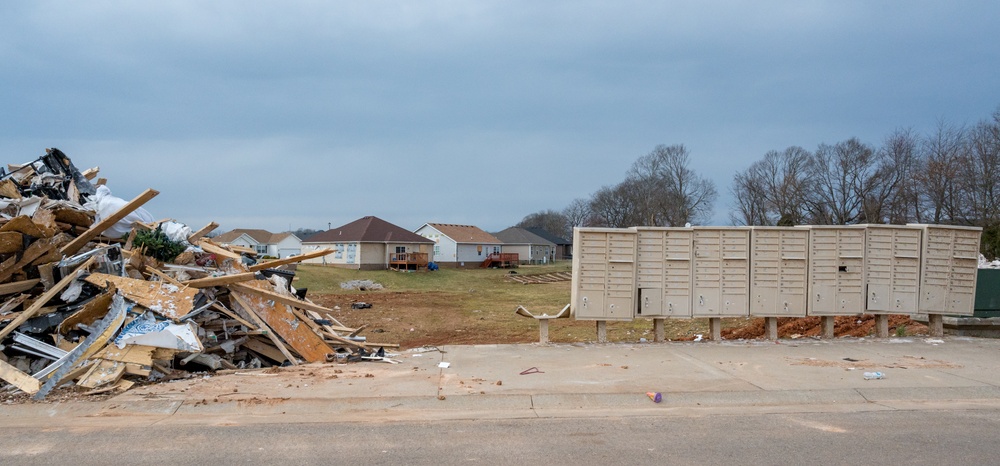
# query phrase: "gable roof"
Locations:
[[260, 236], [549, 236], [518, 235], [465, 233], [368, 229]]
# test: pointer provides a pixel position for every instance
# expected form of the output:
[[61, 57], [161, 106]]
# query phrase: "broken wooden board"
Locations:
[[162, 298], [102, 373], [202, 232], [283, 322], [244, 307], [8, 189], [265, 349], [11, 242], [74, 217], [208, 246], [136, 354], [89, 313], [108, 222], [265, 288], [23, 224], [37, 249], [25, 382], [17, 287]]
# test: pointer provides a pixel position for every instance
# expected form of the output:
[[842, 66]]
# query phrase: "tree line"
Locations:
[[950, 176]]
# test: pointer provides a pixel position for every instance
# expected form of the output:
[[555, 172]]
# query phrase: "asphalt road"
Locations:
[[878, 437]]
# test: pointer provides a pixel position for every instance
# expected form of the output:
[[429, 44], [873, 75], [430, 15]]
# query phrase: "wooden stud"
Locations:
[[209, 282], [202, 232], [17, 287], [289, 300], [15, 377], [106, 223]]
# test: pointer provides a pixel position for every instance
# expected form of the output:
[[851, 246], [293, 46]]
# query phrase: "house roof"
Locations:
[[260, 236], [518, 235], [549, 236], [465, 233], [367, 230]]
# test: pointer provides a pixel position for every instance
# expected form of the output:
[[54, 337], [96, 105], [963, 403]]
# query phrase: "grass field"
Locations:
[[467, 306]]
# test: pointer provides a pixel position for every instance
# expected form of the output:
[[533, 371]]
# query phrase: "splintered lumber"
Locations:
[[8, 189], [202, 232], [91, 173], [23, 224], [245, 304], [106, 223], [162, 298], [44, 298], [17, 287], [135, 354], [209, 282], [299, 336], [74, 217], [25, 382], [11, 241], [291, 260], [37, 249], [288, 300], [89, 313], [210, 247]]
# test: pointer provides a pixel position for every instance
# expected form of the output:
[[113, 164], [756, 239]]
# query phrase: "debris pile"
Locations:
[[94, 293]]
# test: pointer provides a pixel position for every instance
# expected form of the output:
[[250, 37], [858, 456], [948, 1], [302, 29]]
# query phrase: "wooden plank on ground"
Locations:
[[298, 336], [44, 298], [25, 382], [162, 298], [106, 223], [291, 260]]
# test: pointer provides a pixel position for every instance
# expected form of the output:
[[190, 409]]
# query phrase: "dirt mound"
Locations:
[[845, 326]]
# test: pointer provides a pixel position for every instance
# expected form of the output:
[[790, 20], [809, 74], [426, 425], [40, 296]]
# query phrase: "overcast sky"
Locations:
[[295, 114]]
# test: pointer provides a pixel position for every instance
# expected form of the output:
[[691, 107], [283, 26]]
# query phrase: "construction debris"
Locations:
[[94, 293]]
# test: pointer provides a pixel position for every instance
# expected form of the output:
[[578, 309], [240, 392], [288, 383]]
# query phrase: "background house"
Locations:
[[280, 245], [460, 245], [530, 248], [370, 243], [564, 247]]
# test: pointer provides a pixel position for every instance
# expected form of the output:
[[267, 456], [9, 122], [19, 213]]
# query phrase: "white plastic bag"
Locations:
[[106, 205]]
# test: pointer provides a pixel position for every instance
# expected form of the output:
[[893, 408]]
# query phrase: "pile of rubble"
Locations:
[[95, 294]]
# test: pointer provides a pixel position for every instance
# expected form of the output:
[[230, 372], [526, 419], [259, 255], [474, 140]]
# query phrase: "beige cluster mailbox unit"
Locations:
[[663, 271], [778, 271], [604, 274], [948, 269], [892, 269], [721, 266], [836, 270]]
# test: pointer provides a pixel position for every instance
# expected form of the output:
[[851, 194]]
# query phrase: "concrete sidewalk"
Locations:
[[562, 380]]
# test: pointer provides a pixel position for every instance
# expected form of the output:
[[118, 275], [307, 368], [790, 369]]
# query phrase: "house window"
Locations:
[[437, 249], [261, 248], [340, 252], [496, 249], [400, 249]]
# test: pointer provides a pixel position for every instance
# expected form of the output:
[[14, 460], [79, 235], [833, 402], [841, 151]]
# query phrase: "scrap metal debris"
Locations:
[[95, 294]]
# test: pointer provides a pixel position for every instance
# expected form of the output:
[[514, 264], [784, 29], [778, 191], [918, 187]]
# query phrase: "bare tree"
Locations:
[[613, 207], [844, 177], [900, 193], [667, 191], [940, 200], [775, 188], [548, 220], [577, 214], [981, 169]]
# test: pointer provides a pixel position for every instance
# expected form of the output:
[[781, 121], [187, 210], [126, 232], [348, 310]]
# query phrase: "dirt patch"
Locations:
[[844, 326]]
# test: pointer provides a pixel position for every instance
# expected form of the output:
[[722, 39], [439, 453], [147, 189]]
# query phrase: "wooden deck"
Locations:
[[408, 261], [503, 260]]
